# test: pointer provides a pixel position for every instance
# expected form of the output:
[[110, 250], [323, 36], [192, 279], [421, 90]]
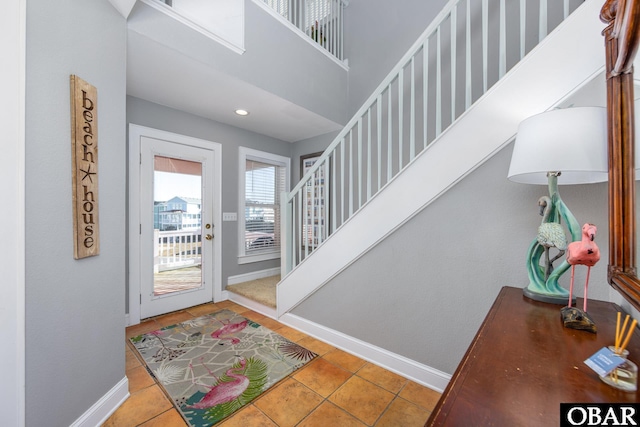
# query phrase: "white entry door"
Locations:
[[177, 225]]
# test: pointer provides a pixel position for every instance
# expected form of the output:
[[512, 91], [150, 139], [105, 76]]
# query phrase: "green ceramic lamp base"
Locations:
[[549, 298]]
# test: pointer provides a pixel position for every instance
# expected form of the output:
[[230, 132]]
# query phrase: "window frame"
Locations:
[[264, 157]]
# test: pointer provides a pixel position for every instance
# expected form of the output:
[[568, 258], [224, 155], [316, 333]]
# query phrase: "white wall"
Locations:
[[75, 308]]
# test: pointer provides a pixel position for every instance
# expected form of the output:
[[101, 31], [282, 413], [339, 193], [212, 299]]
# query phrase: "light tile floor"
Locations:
[[335, 389]]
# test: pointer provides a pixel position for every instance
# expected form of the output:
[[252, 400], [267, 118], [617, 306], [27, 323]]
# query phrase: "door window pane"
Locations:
[[177, 196]]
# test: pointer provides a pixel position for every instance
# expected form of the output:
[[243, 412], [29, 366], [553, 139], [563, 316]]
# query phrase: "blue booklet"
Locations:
[[604, 361]]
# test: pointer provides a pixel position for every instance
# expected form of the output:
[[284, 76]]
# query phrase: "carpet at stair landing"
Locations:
[[213, 365], [260, 290]]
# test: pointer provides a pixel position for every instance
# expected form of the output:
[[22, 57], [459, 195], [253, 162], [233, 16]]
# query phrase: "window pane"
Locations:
[[260, 182], [263, 184]]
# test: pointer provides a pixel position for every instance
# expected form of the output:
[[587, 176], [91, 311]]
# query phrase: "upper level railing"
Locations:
[[470, 45], [321, 20]]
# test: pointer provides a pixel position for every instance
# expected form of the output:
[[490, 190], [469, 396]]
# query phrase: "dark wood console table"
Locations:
[[523, 363]]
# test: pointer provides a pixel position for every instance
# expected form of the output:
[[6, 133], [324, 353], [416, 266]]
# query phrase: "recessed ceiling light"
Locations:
[[242, 112]]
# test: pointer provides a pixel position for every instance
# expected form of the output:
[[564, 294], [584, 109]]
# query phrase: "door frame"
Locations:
[[136, 132]]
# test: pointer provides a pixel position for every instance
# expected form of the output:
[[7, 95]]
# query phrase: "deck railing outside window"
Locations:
[[176, 249], [321, 20], [468, 48]]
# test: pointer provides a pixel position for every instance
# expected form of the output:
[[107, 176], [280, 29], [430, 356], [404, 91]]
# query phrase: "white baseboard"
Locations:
[[255, 275], [107, 405], [246, 302], [410, 369]]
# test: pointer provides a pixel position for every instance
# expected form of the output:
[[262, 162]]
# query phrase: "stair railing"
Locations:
[[468, 47]]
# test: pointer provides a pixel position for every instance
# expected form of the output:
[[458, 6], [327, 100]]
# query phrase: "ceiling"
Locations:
[[152, 74]]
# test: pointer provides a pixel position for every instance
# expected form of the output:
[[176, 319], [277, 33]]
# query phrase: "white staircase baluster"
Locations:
[[425, 91], [342, 180], [331, 188], [502, 67], [389, 135], [351, 161], [400, 119], [325, 185], [359, 170], [485, 45], [369, 154], [454, 24], [542, 32], [301, 242], [342, 194], [523, 27], [412, 117], [305, 207], [314, 211], [287, 227], [467, 73], [438, 84], [379, 132]]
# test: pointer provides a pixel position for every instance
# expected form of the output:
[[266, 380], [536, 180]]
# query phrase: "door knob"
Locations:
[[208, 237]]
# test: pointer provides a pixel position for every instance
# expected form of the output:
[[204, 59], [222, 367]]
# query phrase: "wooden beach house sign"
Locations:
[[84, 143]]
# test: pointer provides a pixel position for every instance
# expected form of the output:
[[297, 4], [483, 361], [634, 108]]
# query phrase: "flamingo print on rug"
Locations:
[[213, 365]]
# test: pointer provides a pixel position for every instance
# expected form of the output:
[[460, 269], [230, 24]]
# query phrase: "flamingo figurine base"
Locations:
[[576, 318], [551, 299]]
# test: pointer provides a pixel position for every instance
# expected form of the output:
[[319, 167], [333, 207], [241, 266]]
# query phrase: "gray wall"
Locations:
[[424, 291], [74, 316], [156, 116], [377, 34]]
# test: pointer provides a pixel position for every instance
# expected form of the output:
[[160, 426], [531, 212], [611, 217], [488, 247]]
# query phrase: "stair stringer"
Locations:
[[567, 59]]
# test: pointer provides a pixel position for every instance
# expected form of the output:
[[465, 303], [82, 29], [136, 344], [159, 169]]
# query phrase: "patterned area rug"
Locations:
[[213, 365]]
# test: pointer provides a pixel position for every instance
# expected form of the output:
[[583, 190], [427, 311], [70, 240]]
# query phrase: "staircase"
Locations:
[[454, 100]]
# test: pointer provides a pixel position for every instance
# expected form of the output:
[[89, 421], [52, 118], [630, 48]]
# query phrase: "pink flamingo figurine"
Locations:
[[583, 252], [222, 392]]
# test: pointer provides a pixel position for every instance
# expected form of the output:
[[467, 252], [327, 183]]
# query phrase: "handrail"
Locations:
[[437, 79]]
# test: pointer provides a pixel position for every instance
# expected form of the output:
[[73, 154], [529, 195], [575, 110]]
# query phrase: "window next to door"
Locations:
[[263, 178]]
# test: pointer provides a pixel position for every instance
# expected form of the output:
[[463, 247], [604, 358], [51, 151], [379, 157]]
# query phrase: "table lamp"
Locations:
[[566, 146]]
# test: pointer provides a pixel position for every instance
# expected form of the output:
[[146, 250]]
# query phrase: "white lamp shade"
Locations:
[[572, 141]]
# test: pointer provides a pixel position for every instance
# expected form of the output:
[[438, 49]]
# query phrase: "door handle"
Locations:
[[208, 237]]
